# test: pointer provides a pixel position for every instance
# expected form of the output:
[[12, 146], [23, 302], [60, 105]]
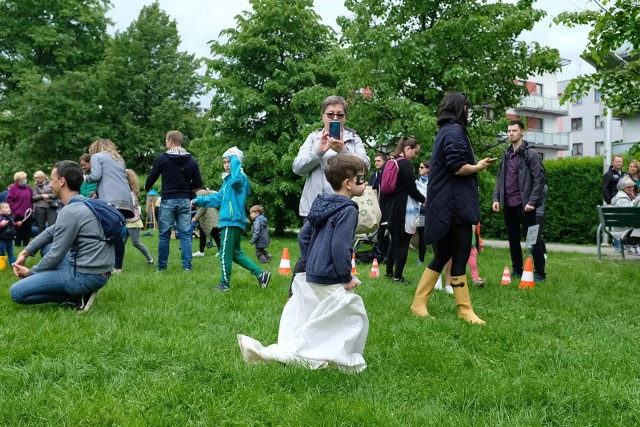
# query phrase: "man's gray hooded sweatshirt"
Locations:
[[326, 240]]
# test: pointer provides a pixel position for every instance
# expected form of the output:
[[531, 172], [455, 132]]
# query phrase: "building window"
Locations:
[[596, 95], [578, 101], [488, 113], [599, 148], [538, 89], [576, 124], [576, 149], [534, 123], [598, 122]]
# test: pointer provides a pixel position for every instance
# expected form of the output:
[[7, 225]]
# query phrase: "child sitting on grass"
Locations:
[[260, 236], [324, 323], [231, 201]]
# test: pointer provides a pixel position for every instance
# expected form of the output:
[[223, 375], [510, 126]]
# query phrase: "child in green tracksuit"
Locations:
[[231, 201]]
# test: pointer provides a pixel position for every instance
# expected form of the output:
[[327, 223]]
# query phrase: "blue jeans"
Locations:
[[6, 248], [59, 285], [178, 211]]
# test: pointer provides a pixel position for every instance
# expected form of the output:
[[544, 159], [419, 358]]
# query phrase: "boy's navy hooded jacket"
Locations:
[[326, 240]]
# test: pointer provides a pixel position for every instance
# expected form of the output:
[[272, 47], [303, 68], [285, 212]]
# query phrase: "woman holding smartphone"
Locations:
[[319, 147], [453, 206]]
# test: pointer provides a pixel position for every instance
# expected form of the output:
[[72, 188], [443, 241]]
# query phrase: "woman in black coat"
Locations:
[[394, 206], [453, 206]]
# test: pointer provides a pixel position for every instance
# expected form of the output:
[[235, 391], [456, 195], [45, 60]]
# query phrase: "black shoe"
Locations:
[[539, 278], [264, 278], [85, 302], [401, 280], [388, 276], [223, 287]]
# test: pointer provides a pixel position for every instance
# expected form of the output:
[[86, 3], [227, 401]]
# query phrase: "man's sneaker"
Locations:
[[538, 278], [85, 302], [223, 287], [197, 254], [264, 278]]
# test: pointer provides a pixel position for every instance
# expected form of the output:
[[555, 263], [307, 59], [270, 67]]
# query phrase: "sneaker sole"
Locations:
[[88, 304]]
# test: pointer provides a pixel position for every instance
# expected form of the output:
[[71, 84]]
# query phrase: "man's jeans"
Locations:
[[176, 211], [59, 285]]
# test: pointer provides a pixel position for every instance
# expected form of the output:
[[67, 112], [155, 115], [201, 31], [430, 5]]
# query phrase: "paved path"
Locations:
[[556, 247]]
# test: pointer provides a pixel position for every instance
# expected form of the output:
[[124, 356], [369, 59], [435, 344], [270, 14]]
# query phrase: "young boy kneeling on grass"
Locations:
[[324, 323], [231, 200]]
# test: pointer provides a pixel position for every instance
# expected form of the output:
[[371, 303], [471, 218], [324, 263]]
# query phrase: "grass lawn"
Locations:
[[161, 350]]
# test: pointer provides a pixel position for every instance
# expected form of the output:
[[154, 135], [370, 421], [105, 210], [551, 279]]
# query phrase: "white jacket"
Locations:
[[310, 162]]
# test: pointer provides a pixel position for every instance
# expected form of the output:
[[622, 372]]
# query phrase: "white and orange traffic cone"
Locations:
[[506, 277], [375, 269], [354, 272], [527, 275], [285, 263]]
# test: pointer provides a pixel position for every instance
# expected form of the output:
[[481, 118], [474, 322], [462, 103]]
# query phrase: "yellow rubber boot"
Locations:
[[425, 287], [463, 300]]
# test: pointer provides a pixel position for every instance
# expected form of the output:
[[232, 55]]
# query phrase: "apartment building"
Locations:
[[546, 129], [586, 122]]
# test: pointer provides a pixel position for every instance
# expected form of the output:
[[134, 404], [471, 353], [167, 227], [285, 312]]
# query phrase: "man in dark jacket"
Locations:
[[611, 178], [520, 189], [180, 178]]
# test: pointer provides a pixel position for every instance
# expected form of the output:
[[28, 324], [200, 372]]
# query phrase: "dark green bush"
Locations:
[[575, 189]]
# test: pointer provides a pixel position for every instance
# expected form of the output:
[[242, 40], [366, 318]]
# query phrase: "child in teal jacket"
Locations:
[[231, 201]]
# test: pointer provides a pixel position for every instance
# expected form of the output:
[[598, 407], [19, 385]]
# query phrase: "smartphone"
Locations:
[[334, 129]]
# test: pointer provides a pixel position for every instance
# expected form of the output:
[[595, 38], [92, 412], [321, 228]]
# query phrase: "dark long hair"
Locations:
[[402, 143], [452, 107]]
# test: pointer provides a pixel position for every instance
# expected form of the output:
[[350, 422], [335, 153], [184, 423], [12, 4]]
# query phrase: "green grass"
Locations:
[[160, 349]]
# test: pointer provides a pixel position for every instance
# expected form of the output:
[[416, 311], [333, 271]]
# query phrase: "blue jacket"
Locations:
[[451, 197], [231, 198], [326, 240]]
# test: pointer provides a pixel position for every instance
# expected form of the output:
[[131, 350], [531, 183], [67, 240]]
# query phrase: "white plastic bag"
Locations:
[[412, 215]]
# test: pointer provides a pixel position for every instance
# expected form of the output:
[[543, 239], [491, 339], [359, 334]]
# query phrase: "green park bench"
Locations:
[[627, 217]]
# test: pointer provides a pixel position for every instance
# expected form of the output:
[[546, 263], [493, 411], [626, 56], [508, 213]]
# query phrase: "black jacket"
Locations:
[[531, 177], [451, 197], [610, 184], [8, 232], [394, 205], [180, 175]]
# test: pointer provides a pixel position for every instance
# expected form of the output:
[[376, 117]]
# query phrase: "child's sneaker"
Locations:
[[223, 287], [480, 282], [195, 254], [264, 278]]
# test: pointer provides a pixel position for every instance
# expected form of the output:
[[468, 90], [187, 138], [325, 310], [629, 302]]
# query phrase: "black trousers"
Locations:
[[397, 253], [517, 222], [455, 246]]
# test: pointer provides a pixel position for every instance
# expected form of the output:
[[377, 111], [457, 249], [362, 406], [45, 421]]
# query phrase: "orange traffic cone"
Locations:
[[375, 269], [527, 275], [506, 277], [285, 263], [354, 272]]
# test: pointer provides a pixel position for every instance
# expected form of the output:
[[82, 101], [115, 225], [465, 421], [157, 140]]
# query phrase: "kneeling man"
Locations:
[[76, 258]]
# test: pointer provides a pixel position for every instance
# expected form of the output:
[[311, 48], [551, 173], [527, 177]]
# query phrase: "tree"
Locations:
[[615, 29], [411, 53], [47, 50], [147, 86], [269, 77]]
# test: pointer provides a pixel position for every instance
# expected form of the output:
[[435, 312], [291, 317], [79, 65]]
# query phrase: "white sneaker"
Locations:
[[448, 289], [198, 254], [438, 286], [217, 255]]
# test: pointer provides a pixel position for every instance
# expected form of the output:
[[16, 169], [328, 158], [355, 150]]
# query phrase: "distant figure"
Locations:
[[19, 199], [134, 225], [45, 204], [260, 235]]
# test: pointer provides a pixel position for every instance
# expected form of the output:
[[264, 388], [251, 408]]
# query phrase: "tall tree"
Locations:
[[269, 76], [47, 51], [411, 53], [147, 87], [615, 28]]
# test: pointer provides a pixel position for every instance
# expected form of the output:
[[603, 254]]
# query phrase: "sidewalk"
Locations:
[[557, 247]]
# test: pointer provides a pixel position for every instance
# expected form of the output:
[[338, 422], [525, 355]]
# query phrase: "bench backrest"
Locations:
[[627, 217]]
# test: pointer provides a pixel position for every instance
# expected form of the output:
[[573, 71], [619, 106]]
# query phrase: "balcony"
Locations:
[[542, 104], [556, 140]]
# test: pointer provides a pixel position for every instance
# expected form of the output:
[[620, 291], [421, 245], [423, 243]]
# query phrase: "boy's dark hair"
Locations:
[[86, 157], [71, 172], [257, 208], [341, 167], [517, 122]]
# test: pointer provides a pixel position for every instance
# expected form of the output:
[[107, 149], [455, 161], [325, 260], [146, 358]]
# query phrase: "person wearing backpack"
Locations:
[[397, 185], [77, 257], [520, 190]]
